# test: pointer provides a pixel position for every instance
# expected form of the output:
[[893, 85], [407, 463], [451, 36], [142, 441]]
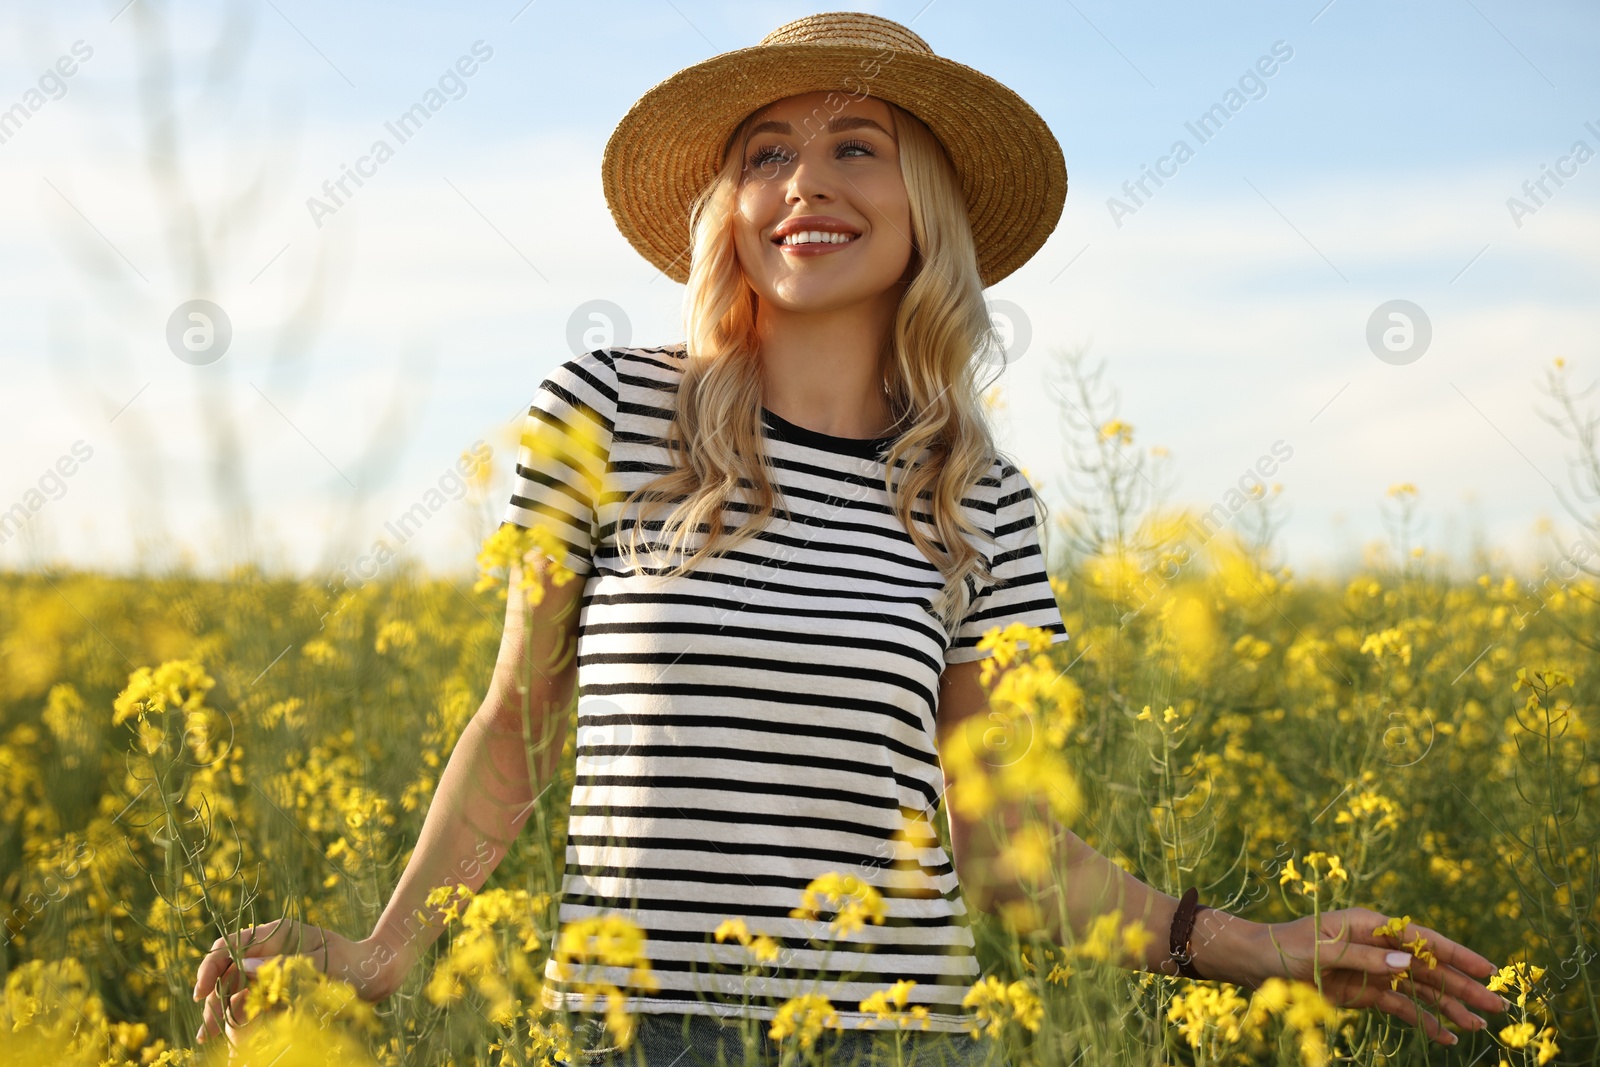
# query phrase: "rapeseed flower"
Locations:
[[997, 1004], [805, 1016], [889, 1005], [853, 903]]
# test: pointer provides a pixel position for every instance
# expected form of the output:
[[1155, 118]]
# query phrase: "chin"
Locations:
[[821, 294]]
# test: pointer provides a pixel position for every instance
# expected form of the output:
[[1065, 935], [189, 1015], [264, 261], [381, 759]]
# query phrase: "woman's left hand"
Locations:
[[1357, 967]]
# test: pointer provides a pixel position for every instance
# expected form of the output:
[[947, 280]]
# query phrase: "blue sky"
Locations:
[[1231, 306]]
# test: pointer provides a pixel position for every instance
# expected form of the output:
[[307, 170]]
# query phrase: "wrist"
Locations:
[[1227, 948], [380, 966]]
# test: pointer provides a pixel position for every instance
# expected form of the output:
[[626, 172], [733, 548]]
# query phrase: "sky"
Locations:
[[1238, 308]]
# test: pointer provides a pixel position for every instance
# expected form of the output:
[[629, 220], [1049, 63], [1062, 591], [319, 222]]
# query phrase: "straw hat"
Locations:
[[669, 145]]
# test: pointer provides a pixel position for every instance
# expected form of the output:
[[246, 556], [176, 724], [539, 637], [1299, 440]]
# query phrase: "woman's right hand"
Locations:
[[372, 969]]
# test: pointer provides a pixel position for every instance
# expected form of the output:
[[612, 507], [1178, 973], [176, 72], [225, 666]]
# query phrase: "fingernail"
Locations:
[[1479, 1021], [251, 964], [1505, 1005], [1398, 960], [1454, 1040]]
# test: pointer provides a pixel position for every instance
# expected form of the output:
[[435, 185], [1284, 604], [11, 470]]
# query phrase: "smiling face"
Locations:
[[808, 170]]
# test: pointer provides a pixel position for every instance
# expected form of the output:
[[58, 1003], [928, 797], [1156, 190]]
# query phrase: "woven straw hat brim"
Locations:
[[668, 146]]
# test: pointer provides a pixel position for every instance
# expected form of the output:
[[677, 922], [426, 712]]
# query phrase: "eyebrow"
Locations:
[[837, 124]]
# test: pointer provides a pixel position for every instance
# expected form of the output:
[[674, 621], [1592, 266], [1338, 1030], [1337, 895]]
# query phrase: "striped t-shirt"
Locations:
[[767, 718]]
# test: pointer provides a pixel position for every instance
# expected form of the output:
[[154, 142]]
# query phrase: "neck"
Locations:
[[823, 369]]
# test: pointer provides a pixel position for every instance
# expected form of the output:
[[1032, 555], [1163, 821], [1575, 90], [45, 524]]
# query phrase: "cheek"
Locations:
[[890, 209], [892, 228], [746, 232]]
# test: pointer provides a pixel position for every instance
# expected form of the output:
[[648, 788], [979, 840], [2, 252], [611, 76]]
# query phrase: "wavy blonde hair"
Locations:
[[928, 368]]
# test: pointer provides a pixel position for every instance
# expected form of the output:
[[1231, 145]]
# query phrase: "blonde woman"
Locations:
[[788, 535]]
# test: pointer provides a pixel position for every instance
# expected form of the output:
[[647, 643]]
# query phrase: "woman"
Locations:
[[772, 643]]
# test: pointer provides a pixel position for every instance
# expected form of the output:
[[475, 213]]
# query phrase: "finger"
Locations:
[[1461, 986], [1369, 959], [234, 985], [215, 1016], [1405, 1009], [1452, 953], [223, 949], [235, 1020], [1458, 1012], [1450, 974], [211, 1021]]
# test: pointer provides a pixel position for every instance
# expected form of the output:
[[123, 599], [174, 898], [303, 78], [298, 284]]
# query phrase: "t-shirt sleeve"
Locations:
[[561, 459], [1021, 593]]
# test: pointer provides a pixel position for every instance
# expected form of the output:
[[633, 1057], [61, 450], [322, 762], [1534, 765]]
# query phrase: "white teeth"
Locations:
[[818, 236]]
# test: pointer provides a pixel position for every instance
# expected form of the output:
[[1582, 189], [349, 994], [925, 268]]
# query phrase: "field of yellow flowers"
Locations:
[[181, 756]]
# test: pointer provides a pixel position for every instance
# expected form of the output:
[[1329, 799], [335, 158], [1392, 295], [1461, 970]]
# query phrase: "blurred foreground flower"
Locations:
[[997, 1005], [806, 1016], [606, 941], [537, 551], [889, 1005], [852, 902], [494, 937]]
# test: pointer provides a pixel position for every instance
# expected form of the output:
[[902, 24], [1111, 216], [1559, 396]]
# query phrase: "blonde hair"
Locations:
[[929, 376]]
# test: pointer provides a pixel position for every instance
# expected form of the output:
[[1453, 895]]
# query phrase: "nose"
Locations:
[[806, 182]]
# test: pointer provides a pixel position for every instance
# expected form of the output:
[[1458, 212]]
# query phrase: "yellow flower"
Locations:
[[177, 685], [1304, 1011], [1391, 641], [1136, 937], [1029, 855], [890, 1004], [1008, 646], [1542, 680], [537, 551], [852, 901], [806, 1016], [1117, 430], [1367, 805], [1203, 1010], [762, 947], [996, 1004], [1517, 1035], [1107, 940], [1419, 949], [396, 633], [605, 941], [449, 900], [1519, 977], [1395, 928], [1545, 1045], [1335, 869]]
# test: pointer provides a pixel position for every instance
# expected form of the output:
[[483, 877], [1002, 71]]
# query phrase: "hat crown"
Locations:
[[848, 28]]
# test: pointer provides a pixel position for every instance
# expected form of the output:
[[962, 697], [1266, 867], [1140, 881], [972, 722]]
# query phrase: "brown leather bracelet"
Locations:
[[1189, 907]]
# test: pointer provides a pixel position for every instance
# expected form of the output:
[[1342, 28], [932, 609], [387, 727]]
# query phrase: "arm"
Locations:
[[1093, 885], [1336, 949], [485, 794], [487, 789]]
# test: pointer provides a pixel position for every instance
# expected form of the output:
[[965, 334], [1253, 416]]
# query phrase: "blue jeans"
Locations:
[[673, 1039]]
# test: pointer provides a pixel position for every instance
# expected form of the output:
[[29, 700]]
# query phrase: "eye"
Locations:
[[766, 152]]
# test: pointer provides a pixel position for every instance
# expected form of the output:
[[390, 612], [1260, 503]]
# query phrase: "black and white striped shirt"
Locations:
[[767, 718]]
